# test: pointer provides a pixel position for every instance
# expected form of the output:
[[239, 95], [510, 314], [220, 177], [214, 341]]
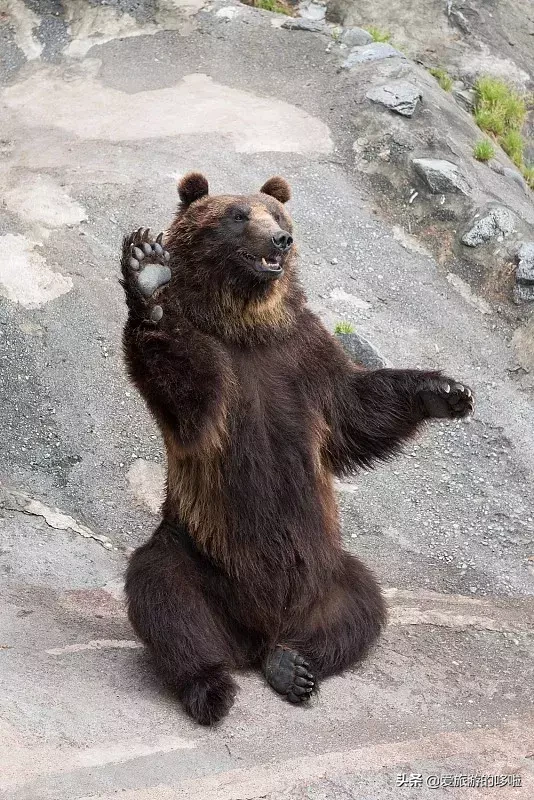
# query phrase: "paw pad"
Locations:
[[444, 397], [156, 314], [148, 260], [289, 674]]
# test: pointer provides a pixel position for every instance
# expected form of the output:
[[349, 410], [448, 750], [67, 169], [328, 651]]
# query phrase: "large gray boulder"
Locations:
[[315, 12], [524, 289], [376, 51], [361, 351], [441, 176], [493, 222], [399, 96], [355, 37], [525, 267]]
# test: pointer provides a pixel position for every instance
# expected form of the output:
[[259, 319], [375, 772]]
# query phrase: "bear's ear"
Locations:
[[192, 187], [278, 188]]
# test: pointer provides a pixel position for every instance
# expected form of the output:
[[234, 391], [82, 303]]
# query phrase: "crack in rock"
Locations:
[[95, 644], [444, 619], [54, 518]]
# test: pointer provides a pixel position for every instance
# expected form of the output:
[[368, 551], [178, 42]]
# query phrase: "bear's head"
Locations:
[[232, 256]]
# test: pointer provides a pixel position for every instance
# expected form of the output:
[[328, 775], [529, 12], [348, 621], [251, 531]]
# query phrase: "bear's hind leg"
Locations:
[[343, 625], [191, 648]]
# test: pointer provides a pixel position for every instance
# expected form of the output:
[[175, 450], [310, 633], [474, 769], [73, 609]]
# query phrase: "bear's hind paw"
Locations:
[[289, 674], [208, 696]]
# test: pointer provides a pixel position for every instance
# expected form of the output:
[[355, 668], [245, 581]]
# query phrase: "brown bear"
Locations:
[[259, 408]]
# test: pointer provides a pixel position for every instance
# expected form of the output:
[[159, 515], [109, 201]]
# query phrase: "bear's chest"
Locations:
[[275, 437], [270, 407]]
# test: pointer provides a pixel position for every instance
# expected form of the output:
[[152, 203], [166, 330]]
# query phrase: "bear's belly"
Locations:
[[265, 496]]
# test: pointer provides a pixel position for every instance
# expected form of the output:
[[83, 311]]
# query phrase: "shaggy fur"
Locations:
[[259, 408]]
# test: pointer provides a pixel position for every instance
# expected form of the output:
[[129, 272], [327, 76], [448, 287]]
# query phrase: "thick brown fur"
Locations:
[[260, 409]]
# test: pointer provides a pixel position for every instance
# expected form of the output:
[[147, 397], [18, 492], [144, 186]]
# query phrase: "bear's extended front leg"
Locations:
[[182, 374], [374, 412]]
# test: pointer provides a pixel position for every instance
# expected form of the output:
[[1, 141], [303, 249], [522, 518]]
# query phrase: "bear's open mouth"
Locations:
[[261, 265]]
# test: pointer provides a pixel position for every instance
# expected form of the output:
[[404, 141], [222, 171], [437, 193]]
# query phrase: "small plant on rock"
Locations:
[[343, 327], [442, 77], [512, 143], [501, 111], [378, 35], [483, 150], [499, 107], [490, 121], [277, 6], [528, 175]]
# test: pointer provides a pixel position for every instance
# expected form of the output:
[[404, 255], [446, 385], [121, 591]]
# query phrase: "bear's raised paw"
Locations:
[[145, 270]]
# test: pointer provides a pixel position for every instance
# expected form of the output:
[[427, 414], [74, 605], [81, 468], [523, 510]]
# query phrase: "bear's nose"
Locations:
[[282, 240]]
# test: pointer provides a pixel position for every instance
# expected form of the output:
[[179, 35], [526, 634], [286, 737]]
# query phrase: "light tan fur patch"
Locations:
[[194, 487], [320, 433]]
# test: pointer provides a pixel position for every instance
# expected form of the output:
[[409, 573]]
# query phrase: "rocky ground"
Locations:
[[415, 141], [102, 106], [468, 37]]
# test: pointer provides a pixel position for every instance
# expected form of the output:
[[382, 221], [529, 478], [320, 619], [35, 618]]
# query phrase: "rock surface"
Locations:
[[523, 342], [355, 37], [441, 176], [399, 96], [465, 97], [494, 222], [385, 147], [525, 267], [465, 38], [147, 481], [376, 51], [524, 290], [361, 351], [511, 174], [315, 12], [297, 24]]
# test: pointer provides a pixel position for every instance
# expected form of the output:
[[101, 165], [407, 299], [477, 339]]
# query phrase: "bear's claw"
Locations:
[[289, 674], [444, 397]]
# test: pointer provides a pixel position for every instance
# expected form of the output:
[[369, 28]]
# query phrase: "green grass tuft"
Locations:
[[512, 143], [501, 110], [442, 77], [499, 107], [277, 6], [490, 121], [483, 150], [343, 327], [528, 175], [378, 35]]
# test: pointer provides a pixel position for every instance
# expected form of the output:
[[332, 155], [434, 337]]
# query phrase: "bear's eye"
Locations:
[[239, 216]]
